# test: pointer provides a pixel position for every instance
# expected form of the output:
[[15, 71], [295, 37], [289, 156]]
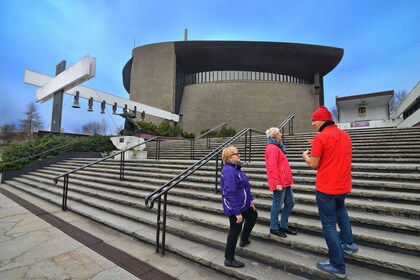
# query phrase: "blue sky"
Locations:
[[380, 38]]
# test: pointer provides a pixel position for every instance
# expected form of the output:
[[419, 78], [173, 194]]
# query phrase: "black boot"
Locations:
[[234, 263], [278, 233], [288, 231], [243, 243]]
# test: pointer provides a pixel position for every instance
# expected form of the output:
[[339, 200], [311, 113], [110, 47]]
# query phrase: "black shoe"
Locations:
[[278, 233], [244, 243], [288, 231], [234, 263]]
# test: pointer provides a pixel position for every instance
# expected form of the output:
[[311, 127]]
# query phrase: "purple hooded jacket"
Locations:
[[235, 188]]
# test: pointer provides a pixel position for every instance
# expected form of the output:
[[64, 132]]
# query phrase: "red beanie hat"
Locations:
[[322, 114]]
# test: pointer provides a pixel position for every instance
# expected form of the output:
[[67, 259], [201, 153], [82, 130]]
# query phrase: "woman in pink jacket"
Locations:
[[279, 176]]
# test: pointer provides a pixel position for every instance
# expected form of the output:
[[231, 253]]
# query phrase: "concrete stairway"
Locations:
[[384, 206]]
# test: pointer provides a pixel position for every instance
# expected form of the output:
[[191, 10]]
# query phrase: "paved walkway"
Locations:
[[32, 248]]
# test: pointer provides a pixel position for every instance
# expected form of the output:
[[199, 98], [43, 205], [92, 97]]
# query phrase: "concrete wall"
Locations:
[[372, 113], [371, 124], [412, 120], [255, 104], [153, 77]]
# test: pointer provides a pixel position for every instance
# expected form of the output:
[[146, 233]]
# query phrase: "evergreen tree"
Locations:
[[32, 121]]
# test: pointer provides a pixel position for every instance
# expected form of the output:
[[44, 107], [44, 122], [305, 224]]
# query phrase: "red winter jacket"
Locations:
[[277, 167]]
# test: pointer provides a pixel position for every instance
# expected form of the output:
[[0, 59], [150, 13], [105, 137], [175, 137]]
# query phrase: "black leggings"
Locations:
[[249, 218]]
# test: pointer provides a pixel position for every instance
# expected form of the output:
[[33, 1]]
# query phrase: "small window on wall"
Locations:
[[362, 111]]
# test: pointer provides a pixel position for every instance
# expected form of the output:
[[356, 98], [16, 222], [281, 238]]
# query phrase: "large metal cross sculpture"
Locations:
[[66, 81]]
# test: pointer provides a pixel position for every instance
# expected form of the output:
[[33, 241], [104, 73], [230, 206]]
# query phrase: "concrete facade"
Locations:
[[256, 104], [246, 84], [153, 77]]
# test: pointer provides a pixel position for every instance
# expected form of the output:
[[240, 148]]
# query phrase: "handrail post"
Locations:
[[158, 224], [245, 145], [65, 192], [193, 149], [165, 200], [159, 148], [157, 152], [122, 167], [208, 142], [292, 125], [217, 172], [249, 145]]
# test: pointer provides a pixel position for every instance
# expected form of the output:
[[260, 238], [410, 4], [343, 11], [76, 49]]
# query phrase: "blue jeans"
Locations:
[[279, 197], [332, 210]]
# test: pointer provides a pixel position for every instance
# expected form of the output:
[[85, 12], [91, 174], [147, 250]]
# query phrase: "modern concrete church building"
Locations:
[[246, 84]]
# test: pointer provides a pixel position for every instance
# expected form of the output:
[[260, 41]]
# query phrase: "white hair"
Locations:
[[272, 131]]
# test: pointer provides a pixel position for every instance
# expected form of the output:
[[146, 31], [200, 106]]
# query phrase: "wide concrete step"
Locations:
[[254, 169], [255, 166], [385, 207], [210, 203], [144, 230], [261, 250], [256, 176]]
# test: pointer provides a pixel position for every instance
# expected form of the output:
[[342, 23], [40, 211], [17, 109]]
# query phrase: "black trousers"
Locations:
[[249, 219]]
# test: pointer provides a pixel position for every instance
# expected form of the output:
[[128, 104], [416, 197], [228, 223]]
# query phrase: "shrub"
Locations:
[[224, 132], [165, 128], [20, 154]]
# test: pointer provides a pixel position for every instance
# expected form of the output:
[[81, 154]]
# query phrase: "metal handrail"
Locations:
[[163, 190], [192, 151], [289, 120], [211, 130], [122, 162]]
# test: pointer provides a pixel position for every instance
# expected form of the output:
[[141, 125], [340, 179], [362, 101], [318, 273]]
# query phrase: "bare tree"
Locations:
[[95, 127], [32, 122], [7, 131], [334, 113], [396, 100]]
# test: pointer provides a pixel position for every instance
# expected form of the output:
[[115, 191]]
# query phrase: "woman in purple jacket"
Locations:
[[237, 203]]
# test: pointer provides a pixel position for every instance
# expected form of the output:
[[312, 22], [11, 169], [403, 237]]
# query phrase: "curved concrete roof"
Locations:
[[298, 60]]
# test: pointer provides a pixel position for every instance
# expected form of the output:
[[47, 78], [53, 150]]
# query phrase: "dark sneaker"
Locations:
[[350, 248], [234, 263], [278, 233], [327, 267], [243, 243], [288, 231]]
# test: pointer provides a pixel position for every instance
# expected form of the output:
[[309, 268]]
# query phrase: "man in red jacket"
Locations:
[[331, 154]]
